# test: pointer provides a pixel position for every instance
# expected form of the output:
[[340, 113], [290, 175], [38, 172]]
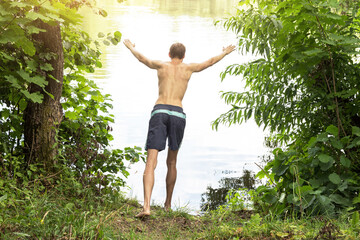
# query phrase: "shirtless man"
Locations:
[[167, 118]]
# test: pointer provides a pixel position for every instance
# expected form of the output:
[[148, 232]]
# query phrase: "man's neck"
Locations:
[[176, 60]]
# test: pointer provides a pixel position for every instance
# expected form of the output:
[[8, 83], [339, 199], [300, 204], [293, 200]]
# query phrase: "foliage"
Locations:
[[225, 224], [303, 87], [51, 215], [84, 160]]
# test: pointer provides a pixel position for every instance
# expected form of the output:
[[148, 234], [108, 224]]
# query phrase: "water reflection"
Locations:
[[214, 197], [200, 8]]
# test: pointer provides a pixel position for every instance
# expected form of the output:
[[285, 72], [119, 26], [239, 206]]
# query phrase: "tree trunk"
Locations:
[[42, 120]]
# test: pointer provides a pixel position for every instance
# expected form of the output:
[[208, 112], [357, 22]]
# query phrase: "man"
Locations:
[[167, 118]]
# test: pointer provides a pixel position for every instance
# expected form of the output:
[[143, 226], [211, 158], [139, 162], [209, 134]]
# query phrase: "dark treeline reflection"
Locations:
[[198, 8], [214, 197], [202, 8]]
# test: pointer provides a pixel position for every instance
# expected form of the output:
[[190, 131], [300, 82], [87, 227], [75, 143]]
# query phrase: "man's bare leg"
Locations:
[[148, 180], [170, 177]]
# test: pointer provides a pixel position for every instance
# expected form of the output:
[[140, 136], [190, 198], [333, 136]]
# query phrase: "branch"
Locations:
[[339, 123]]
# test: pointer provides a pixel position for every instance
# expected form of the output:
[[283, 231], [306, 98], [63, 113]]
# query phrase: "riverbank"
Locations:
[[53, 216]]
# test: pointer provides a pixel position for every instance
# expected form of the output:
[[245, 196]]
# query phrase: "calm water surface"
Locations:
[[206, 156]]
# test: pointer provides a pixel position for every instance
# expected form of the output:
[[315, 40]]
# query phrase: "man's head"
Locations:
[[177, 50]]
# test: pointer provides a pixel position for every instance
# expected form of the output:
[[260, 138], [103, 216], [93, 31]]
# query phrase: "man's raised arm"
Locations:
[[153, 64], [198, 67]]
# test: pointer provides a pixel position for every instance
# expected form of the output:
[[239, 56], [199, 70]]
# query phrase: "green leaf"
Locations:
[[46, 67], [336, 198], [21, 234], [32, 65], [4, 197], [332, 130], [345, 161], [114, 41], [36, 97], [270, 198], [11, 35], [325, 158], [315, 183], [282, 197], [313, 52], [107, 43], [305, 189], [35, 15], [49, 94], [103, 13], [356, 131], [324, 200], [34, 30], [101, 35], [5, 113], [355, 219], [356, 200], [329, 42], [354, 143], [335, 178], [7, 56], [71, 115], [336, 143], [323, 137], [14, 81], [38, 80], [3, 11], [18, 4], [309, 199], [280, 170], [98, 64], [55, 17], [27, 46], [22, 104], [117, 35], [24, 75], [326, 166]]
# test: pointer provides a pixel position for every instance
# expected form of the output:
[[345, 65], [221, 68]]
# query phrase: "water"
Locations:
[[153, 26]]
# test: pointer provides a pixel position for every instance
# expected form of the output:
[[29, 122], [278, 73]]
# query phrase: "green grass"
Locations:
[[52, 215]]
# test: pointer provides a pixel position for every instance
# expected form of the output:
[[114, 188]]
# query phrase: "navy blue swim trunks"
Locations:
[[166, 122]]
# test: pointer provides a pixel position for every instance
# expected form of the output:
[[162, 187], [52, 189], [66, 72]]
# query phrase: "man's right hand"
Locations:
[[129, 44], [228, 49]]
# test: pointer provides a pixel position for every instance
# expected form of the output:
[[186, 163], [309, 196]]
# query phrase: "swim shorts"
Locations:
[[166, 122]]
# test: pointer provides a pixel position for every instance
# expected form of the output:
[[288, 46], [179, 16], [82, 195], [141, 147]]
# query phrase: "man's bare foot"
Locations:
[[143, 214], [167, 208]]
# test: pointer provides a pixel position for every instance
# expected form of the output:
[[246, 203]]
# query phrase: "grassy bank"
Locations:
[[52, 215]]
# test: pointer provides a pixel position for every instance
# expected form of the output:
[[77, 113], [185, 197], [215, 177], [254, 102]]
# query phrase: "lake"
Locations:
[[206, 155]]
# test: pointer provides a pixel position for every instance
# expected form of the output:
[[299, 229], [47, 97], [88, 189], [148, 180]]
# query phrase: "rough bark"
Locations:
[[42, 120]]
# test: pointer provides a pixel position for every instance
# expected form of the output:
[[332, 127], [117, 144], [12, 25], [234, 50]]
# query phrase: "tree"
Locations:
[[42, 120], [304, 88]]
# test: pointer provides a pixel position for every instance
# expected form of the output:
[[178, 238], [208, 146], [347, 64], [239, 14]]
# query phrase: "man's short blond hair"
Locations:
[[177, 50]]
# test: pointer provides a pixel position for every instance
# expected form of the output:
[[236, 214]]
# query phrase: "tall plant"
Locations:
[[304, 88]]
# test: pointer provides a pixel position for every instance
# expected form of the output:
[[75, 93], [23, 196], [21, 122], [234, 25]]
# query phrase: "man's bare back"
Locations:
[[173, 76], [173, 81]]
